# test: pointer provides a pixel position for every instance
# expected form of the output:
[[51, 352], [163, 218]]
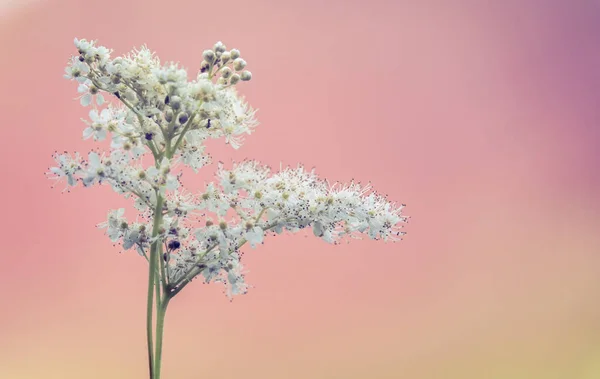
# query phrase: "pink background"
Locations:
[[483, 119]]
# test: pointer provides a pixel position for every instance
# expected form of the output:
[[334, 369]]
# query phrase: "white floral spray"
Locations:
[[156, 111]]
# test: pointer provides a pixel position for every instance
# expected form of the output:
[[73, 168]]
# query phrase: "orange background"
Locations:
[[482, 118]]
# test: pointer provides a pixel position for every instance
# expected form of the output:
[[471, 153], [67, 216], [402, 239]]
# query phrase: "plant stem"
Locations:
[[160, 325], [152, 282]]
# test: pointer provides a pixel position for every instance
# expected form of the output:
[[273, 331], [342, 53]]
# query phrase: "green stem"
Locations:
[[160, 325], [152, 282], [182, 134]]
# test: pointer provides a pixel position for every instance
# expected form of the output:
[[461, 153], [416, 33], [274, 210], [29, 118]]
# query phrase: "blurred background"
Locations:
[[482, 117]]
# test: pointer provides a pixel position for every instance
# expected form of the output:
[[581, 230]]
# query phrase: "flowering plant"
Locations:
[[156, 114]]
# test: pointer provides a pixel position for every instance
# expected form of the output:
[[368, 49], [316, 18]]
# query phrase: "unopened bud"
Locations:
[[222, 81], [173, 245], [209, 56], [246, 76], [175, 102], [235, 53], [225, 56], [226, 72], [223, 225], [209, 223], [183, 117], [234, 79], [130, 95], [239, 64], [169, 115], [204, 66], [219, 47]]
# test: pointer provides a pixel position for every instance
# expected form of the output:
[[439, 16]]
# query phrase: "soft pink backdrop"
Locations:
[[483, 119]]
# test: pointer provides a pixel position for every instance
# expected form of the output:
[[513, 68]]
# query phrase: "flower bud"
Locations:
[[219, 47], [246, 76], [223, 225], [239, 64], [209, 223], [174, 245], [209, 56], [169, 115], [226, 72], [130, 95], [222, 81], [183, 117], [204, 66], [234, 53], [175, 102], [225, 57], [234, 79]]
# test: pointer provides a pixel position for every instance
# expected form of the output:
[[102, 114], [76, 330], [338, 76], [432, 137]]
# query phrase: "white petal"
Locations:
[[101, 135], [87, 132], [94, 115], [86, 100], [94, 159], [105, 114]]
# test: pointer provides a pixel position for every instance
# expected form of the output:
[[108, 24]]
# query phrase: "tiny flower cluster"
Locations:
[[157, 111]]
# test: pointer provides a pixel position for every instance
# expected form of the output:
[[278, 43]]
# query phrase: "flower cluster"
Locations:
[[155, 110]]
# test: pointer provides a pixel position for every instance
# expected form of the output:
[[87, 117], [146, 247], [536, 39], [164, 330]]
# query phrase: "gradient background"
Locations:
[[483, 119]]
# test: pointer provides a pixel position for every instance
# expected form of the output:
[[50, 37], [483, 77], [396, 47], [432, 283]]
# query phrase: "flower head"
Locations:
[[157, 121]]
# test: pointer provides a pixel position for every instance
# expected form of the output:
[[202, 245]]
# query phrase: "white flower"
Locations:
[[99, 125], [114, 223], [68, 167], [89, 91], [95, 169], [254, 236], [77, 71]]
